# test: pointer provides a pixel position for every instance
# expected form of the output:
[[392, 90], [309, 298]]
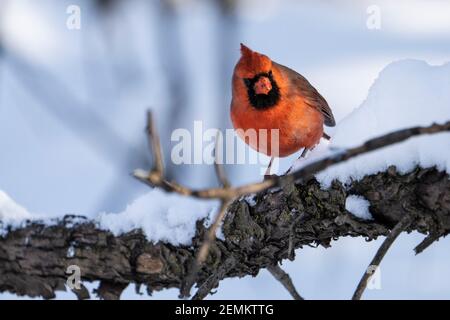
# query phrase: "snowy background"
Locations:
[[72, 112]]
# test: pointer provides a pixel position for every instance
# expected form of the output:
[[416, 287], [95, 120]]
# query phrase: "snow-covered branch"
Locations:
[[258, 233]]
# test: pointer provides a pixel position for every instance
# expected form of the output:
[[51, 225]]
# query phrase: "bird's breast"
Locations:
[[298, 125]]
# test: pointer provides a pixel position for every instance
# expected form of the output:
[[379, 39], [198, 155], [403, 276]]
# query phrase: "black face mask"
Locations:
[[262, 101]]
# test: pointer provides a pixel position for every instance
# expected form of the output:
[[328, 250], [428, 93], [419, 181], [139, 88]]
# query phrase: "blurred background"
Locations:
[[73, 102]]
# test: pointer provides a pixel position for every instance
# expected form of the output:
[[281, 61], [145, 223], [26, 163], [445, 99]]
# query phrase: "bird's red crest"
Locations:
[[252, 63]]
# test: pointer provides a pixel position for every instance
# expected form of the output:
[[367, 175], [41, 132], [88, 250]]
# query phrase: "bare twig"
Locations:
[[375, 263], [307, 171], [206, 245], [203, 251], [155, 145], [429, 240], [210, 193], [220, 171], [285, 280], [211, 235]]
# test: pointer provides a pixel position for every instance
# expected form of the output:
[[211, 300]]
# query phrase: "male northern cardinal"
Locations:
[[268, 95]]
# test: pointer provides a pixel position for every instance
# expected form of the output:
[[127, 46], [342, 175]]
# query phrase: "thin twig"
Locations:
[[307, 171], [428, 241], [155, 144], [153, 180], [285, 280], [220, 171], [381, 252], [211, 234], [203, 251]]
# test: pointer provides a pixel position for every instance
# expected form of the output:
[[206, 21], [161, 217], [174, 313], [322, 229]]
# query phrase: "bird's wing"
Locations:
[[312, 97]]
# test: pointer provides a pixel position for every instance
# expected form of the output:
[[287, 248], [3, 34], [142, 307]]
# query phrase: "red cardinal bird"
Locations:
[[268, 95]]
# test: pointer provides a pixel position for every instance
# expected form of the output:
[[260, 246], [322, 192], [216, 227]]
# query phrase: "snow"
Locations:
[[162, 216], [11, 213], [14, 215], [70, 252], [358, 206], [250, 199], [210, 220], [407, 93]]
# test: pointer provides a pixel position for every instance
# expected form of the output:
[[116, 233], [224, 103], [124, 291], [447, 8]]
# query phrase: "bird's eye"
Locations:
[[247, 81], [270, 73]]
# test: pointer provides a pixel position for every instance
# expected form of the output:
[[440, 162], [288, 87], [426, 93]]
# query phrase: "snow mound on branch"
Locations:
[[11, 214], [358, 206], [162, 216], [406, 93]]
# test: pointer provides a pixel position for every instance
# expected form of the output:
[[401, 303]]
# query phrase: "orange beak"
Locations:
[[263, 86]]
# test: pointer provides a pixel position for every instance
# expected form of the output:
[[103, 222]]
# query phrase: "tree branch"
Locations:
[[284, 278], [298, 213], [33, 259], [381, 252], [303, 173]]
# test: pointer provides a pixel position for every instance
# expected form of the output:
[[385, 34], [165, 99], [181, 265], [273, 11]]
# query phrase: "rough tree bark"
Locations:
[[258, 234]]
